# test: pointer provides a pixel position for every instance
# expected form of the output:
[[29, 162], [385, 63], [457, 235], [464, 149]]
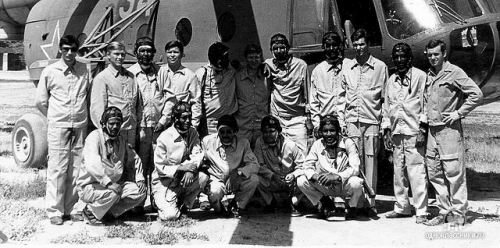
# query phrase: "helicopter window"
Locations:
[[360, 14], [184, 31], [311, 19], [493, 6], [457, 10], [226, 26], [405, 18]]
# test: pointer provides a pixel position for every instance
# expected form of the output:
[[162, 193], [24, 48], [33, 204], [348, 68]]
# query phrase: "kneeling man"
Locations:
[[232, 167], [331, 169], [110, 179], [178, 155], [280, 161]]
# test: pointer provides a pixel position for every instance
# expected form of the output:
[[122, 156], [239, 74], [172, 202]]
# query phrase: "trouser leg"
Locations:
[[310, 190], [353, 189], [367, 140], [98, 198], [130, 198], [216, 192], [436, 173], [401, 184], [72, 203], [417, 175], [59, 143], [295, 129], [130, 137], [247, 187]]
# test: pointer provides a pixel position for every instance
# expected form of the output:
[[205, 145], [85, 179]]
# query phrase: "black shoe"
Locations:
[[56, 220], [372, 212], [295, 211], [90, 218], [351, 214], [136, 211], [325, 207]]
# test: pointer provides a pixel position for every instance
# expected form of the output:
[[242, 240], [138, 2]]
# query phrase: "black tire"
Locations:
[[29, 141]]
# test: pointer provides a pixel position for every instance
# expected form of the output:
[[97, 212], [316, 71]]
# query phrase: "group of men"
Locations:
[[221, 133]]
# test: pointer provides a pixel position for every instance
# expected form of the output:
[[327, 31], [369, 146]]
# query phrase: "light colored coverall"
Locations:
[[290, 84], [364, 86], [107, 161], [184, 84], [403, 111], [62, 96], [223, 165], [284, 158], [449, 91], [253, 94], [345, 163], [327, 96], [172, 151], [119, 89]]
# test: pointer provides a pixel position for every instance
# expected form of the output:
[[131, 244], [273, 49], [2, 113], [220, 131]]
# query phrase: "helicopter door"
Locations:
[[356, 14]]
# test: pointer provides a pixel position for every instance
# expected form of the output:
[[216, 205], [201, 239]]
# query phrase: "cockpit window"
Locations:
[[404, 18], [456, 10], [356, 14]]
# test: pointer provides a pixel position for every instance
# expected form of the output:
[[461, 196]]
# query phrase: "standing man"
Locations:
[[154, 99], [280, 162], [364, 82], [178, 155], [110, 179], [217, 88], [232, 167], [62, 96], [180, 80], [450, 95], [290, 82], [327, 95], [115, 86], [404, 131], [252, 92]]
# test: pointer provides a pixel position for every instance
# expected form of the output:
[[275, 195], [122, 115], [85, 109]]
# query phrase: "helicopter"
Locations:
[[470, 28]]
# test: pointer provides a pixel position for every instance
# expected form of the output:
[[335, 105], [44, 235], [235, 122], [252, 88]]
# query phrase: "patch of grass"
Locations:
[[81, 238], [167, 235], [182, 222], [23, 220], [24, 190]]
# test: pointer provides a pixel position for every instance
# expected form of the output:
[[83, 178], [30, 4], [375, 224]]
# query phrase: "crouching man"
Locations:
[[178, 155], [110, 179], [331, 169], [232, 167], [280, 161]]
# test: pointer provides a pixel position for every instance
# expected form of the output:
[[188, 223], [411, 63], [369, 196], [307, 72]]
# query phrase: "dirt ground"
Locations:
[[17, 98]]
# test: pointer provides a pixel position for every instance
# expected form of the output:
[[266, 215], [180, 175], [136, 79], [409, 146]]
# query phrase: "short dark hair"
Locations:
[[434, 43], [110, 112], [279, 38], [179, 108], [215, 51], [270, 122], [114, 45], [252, 48], [228, 120], [144, 41], [404, 47], [69, 40], [358, 34], [332, 36], [329, 119], [174, 43]]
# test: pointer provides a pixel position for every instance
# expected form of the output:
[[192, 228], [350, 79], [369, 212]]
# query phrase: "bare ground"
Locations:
[[17, 98]]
